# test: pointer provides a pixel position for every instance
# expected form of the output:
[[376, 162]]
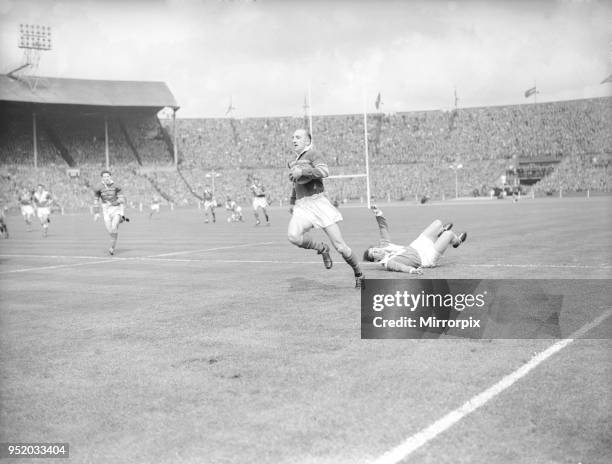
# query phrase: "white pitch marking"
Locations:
[[427, 434], [373, 265], [209, 249], [46, 268], [161, 258], [51, 256], [230, 261], [536, 266]]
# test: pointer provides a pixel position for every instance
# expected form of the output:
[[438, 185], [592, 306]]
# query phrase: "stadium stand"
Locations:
[[410, 153]]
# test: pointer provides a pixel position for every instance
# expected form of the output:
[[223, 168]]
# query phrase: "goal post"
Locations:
[[348, 187], [365, 175]]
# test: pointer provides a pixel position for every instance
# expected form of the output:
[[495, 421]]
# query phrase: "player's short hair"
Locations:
[[367, 256], [306, 132], [106, 171]]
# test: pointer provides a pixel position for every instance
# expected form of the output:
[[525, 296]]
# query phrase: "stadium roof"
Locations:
[[52, 90]]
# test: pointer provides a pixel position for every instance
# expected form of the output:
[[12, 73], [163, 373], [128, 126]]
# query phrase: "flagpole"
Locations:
[[365, 137], [535, 101], [310, 107]]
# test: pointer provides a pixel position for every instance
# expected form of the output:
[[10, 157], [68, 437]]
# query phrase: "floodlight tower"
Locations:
[[33, 38]]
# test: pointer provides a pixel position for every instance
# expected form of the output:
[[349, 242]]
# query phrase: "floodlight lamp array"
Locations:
[[35, 37]]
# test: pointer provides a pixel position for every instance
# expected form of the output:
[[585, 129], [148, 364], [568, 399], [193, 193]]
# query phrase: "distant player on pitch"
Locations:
[[234, 210], [260, 202], [155, 206], [209, 205], [4, 233], [110, 196], [26, 201], [96, 210], [43, 201], [425, 251], [311, 207]]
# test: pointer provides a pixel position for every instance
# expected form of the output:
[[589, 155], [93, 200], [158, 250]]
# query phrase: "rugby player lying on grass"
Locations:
[[425, 251]]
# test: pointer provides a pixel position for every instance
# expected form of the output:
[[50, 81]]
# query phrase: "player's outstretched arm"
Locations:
[[383, 226], [399, 267]]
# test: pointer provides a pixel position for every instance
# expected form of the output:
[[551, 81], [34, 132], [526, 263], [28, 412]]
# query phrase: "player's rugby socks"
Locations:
[[309, 244], [353, 261], [114, 239]]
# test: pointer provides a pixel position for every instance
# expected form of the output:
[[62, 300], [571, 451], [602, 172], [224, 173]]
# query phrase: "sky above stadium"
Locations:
[[265, 54]]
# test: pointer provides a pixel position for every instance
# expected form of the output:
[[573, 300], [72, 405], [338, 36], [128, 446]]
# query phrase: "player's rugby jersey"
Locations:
[[313, 166], [258, 190], [42, 199], [25, 198], [108, 193], [405, 255], [208, 196]]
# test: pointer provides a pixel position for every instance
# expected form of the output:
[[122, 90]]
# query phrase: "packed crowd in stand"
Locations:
[[410, 154]]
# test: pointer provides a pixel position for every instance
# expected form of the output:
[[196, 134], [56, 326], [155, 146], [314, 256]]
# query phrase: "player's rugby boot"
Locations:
[[460, 239], [327, 261], [360, 281], [445, 227], [111, 251]]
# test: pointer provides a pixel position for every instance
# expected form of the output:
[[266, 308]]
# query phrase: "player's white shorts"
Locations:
[[315, 211], [155, 207], [43, 212], [109, 212], [425, 248], [209, 204], [259, 202], [27, 211]]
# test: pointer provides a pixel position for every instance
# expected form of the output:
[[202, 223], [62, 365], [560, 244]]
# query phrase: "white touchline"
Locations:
[[419, 439]]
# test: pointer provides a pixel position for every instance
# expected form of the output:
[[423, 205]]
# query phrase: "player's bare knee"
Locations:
[[342, 248], [295, 238]]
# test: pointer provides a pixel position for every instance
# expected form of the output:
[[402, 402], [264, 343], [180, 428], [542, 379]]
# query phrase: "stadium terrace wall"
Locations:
[[507, 132], [410, 153]]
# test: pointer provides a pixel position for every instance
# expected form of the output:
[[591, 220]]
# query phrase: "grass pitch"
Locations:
[[223, 343]]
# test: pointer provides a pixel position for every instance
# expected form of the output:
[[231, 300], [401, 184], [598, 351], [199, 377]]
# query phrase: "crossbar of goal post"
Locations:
[[344, 176], [349, 176]]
